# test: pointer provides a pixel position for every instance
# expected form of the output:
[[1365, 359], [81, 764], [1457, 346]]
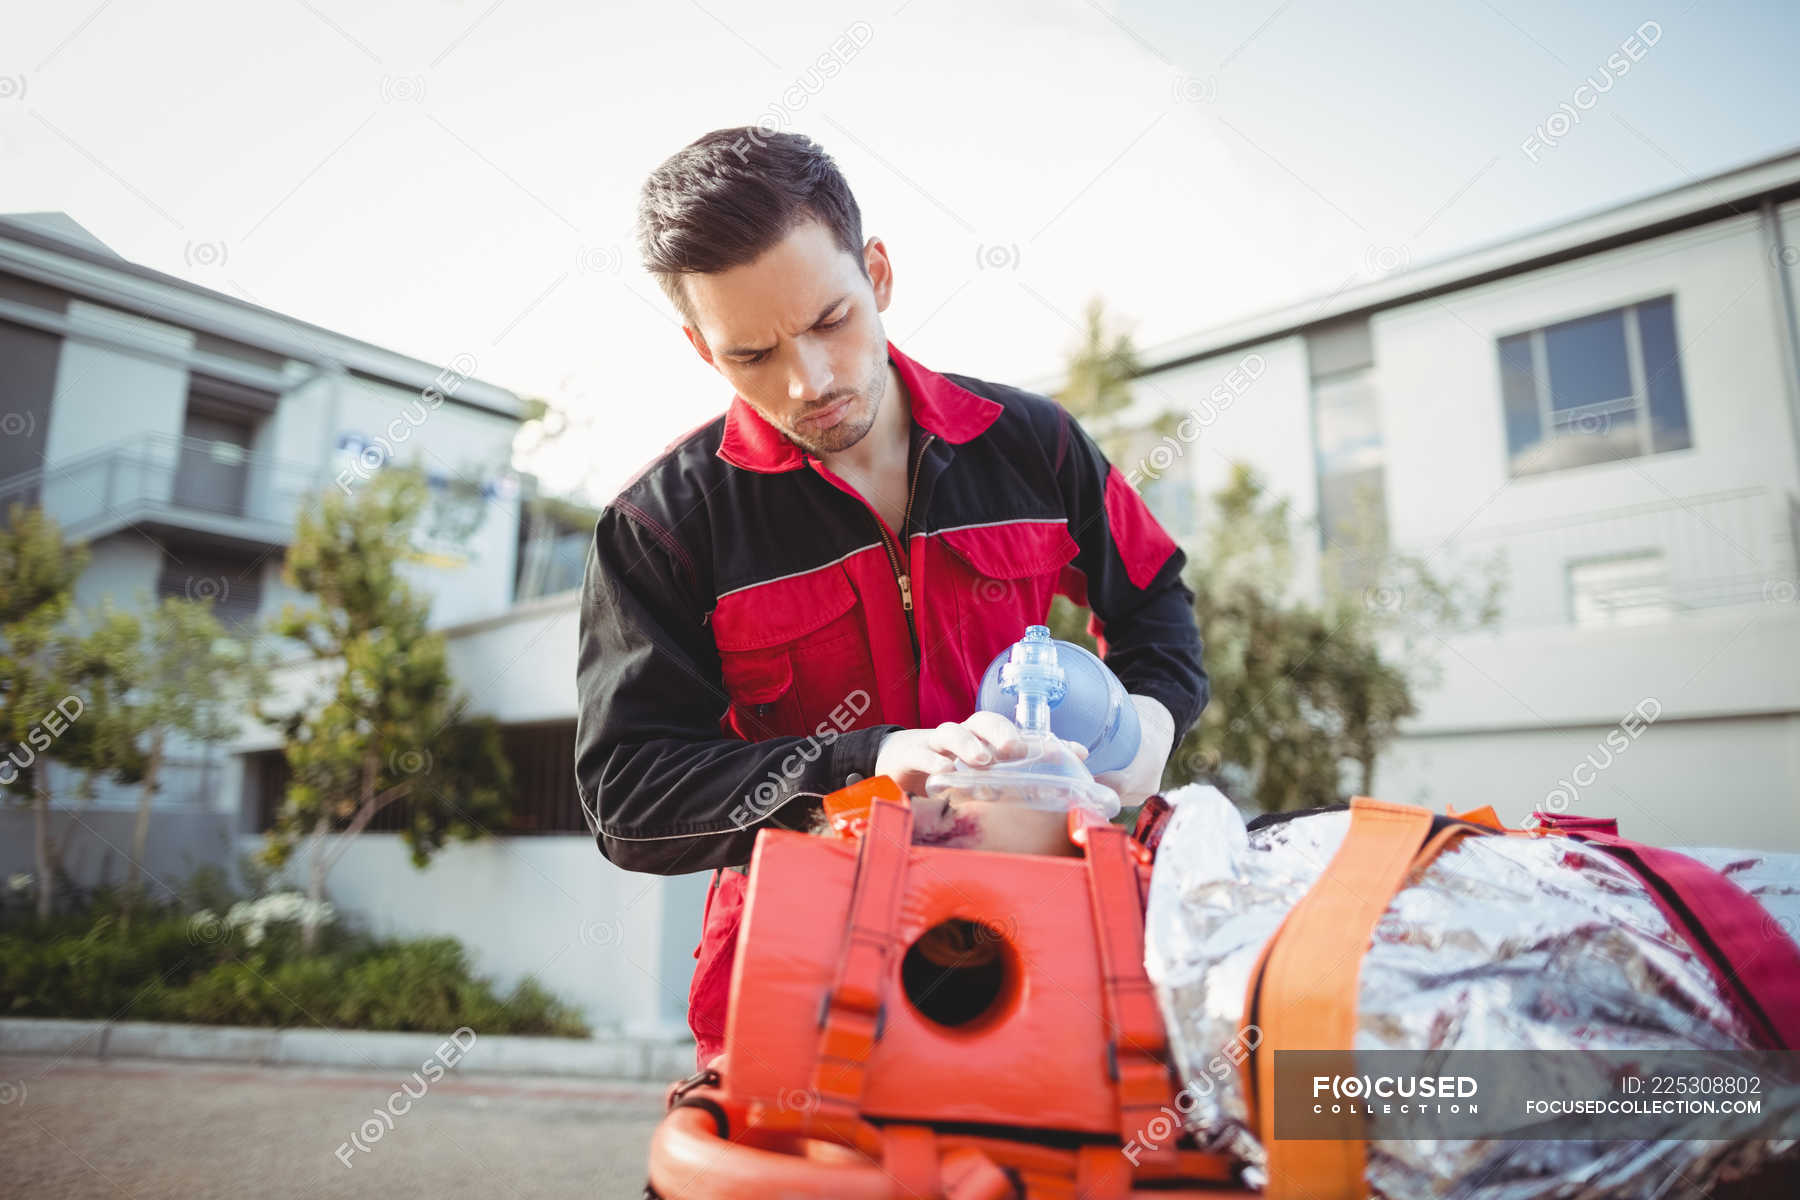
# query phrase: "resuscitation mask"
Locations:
[[1035, 679]]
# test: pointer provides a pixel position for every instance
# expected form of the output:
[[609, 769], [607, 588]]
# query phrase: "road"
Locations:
[[147, 1130], [85, 1130]]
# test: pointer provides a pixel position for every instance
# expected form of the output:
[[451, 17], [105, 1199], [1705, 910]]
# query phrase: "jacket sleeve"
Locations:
[[663, 790], [1143, 614]]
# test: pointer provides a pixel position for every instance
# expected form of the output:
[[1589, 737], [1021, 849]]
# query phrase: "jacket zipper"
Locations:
[[903, 578]]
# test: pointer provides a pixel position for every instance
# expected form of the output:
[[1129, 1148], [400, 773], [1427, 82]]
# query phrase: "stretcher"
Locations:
[[907, 1021]]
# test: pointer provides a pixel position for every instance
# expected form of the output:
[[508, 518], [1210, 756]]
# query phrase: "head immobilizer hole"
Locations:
[[958, 972]]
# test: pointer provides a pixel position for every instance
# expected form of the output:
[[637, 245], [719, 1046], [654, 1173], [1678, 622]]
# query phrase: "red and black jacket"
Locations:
[[745, 634]]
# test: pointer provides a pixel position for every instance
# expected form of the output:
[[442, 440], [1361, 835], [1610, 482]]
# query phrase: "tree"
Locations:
[[189, 679], [1306, 695], [1097, 383], [1098, 388], [387, 728], [60, 692]]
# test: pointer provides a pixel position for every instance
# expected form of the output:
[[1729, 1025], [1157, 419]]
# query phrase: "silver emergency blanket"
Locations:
[[1503, 943]]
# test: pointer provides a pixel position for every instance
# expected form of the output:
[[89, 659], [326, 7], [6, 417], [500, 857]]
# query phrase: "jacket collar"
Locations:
[[951, 412]]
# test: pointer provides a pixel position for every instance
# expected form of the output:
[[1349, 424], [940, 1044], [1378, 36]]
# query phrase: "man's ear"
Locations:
[[699, 345], [881, 272]]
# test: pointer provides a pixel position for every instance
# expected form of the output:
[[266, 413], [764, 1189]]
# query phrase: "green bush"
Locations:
[[173, 967], [62, 969]]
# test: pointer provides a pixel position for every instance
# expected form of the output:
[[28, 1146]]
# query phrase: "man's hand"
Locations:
[[909, 755], [1141, 778]]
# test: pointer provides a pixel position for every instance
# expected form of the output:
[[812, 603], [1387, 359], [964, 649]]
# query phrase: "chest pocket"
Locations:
[[1001, 578], [794, 652]]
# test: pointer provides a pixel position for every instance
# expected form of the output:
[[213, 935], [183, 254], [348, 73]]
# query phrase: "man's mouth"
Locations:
[[825, 418]]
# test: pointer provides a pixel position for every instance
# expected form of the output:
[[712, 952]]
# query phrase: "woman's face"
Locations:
[[990, 825]]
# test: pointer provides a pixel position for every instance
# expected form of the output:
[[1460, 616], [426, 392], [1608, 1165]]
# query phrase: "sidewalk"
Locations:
[[82, 1129], [610, 1057]]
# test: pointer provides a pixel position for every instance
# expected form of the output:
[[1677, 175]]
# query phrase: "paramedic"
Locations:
[[805, 590]]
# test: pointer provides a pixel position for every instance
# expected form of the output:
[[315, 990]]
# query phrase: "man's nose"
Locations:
[[810, 376]]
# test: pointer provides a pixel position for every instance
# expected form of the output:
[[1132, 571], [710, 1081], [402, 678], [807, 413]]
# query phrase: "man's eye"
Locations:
[[756, 359]]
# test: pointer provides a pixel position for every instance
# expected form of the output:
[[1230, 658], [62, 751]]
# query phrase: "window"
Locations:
[[544, 799], [231, 578], [554, 537], [1594, 389], [1165, 480], [214, 464], [1629, 589], [26, 386], [1352, 477], [1351, 457], [543, 763]]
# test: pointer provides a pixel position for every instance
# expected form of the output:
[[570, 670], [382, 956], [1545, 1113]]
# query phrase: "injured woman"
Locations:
[[1561, 944], [1544, 970], [1558, 949]]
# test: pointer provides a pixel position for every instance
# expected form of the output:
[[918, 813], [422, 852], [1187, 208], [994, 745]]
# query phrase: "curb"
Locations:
[[623, 1058]]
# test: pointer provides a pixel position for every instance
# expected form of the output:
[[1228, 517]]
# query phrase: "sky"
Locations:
[[458, 177]]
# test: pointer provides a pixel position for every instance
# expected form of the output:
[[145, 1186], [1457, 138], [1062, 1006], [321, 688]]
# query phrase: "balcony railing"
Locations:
[[163, 479], [1647, 562]]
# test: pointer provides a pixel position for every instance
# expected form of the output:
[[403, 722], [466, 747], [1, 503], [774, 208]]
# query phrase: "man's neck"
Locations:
[[887, 442]]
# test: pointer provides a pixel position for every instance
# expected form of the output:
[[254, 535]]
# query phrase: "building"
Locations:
[[1610, 407], [177, 430]]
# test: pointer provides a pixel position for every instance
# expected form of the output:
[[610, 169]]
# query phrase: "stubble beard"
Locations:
[[856, 421]]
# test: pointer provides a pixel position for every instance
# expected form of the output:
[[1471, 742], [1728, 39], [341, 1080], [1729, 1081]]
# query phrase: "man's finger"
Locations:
[[999, 732], [961, 741], [927, 761]]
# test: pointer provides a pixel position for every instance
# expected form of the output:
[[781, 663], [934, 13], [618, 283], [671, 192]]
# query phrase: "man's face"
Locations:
[[797, 332]]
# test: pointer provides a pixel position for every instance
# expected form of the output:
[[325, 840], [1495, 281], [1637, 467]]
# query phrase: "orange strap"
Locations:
[[852, 1013], [1303, 992], [1485, 815], [968, 1174], [1438, 843], [1136, 1044], [909, 1155], [688, 1152]]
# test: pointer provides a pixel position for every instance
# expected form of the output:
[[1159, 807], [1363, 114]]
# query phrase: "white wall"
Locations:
[[1724, 662], [1267, 424], [468, 580], [93, 843], [1728, 782], [107, 393], [617, 945], [120, 377], [520, 666], [1516, 712], [516, 667], [1787, 218], [1718, 763], [300, 429], [1438, 378], [1511, 714], [121, 568]]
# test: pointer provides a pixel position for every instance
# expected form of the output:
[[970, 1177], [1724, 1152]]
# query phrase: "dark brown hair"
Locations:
[[729, 195]]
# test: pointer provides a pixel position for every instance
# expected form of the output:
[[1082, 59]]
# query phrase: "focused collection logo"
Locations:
[[1369, 1094]]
